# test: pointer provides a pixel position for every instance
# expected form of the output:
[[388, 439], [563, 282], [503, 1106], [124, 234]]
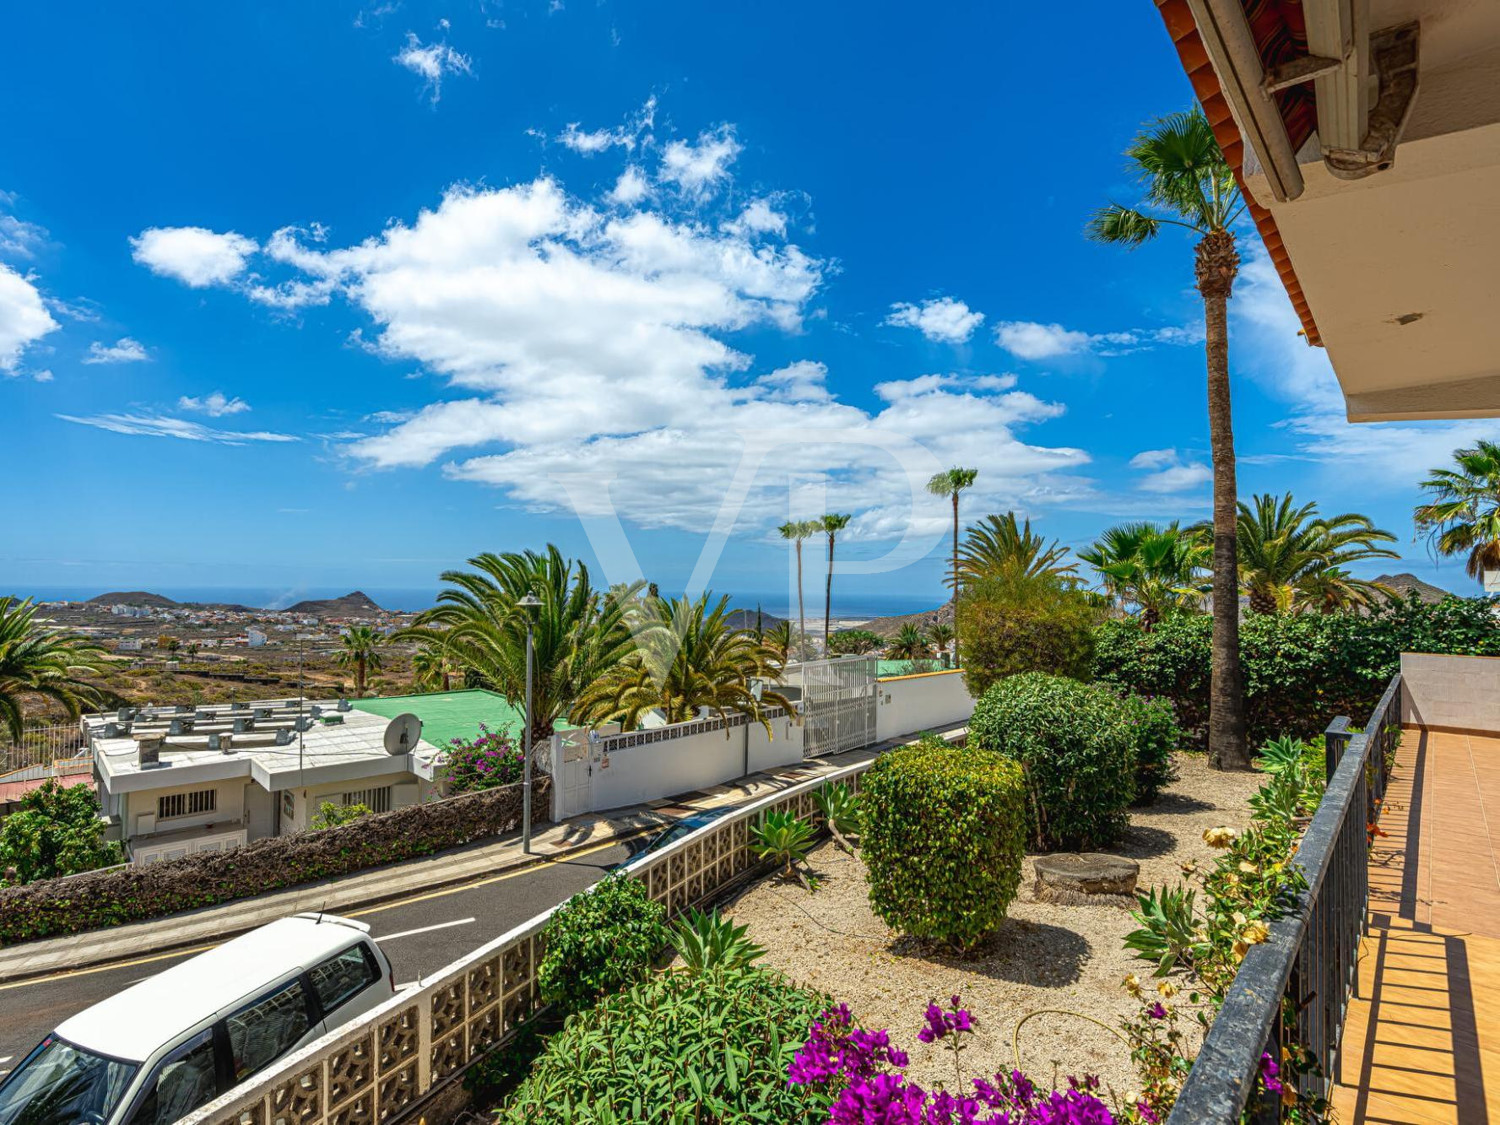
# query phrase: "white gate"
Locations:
[[573, 773], [838, 704]]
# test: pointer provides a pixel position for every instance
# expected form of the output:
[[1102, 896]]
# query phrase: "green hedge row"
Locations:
[[1300, 672], [132, 894]]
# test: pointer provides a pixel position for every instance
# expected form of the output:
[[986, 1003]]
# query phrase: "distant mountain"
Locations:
[[1408, 584], [134, 597], [890, 626], [356, 604], [746, 619]]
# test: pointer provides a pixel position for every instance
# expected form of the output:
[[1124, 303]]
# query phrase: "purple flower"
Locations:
[[1157, 1011], [1270, 1073]]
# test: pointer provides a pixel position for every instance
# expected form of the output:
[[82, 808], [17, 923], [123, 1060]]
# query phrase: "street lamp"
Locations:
[[528, 605]]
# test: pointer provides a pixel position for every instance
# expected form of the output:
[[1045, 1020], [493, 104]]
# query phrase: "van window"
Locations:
[[338, 979], [60, 1083], [181, 1082], [263, 1031]]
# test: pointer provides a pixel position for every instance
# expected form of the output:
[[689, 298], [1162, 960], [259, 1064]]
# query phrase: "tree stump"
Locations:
[[1085, 879]]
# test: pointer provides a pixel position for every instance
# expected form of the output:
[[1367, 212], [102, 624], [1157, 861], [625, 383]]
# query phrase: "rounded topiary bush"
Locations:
[[1156, 735], [942, 834], [599, 940], [1073, 742]]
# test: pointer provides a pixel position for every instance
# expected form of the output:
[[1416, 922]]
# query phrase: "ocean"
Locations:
[[411, 600]]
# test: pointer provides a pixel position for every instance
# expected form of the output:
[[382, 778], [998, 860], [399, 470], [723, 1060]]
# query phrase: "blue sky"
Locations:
[[328, 295]]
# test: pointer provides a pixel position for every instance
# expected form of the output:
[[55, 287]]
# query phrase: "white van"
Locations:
[[160, 1049]]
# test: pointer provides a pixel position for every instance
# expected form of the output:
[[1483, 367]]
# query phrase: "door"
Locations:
[[577, 779]]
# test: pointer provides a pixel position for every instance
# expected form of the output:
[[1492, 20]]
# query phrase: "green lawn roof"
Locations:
[[447, 715]]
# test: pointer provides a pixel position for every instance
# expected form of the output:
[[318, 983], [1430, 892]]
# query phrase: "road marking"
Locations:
[[456, 889], [424, 929]]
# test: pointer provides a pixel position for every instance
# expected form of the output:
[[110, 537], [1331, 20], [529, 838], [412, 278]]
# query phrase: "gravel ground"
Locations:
[[1045, 956]]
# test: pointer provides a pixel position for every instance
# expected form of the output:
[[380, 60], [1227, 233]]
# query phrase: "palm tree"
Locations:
[[910, 644], [687, 659], [997, 546], [1463, 515], [779, 639], [830, 524], [38, 660], [433, 668], [361, 651], [1189, 184], [1149, 568], [950, 483], [942, 634], [580, 632], [1286, 554], [796, 531]]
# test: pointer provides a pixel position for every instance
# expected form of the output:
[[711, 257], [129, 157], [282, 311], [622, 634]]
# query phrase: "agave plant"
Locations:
[[707, 941], [1170, 931], [784, 837], [839, 807]]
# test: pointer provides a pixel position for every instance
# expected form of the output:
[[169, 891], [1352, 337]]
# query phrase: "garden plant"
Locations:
[[600, 940]]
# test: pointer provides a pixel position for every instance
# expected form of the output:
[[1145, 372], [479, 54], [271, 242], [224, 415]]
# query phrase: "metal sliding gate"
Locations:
[[838, 703]]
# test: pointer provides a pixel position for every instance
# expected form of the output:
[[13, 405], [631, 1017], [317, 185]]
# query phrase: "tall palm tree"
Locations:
[[910, 644], [795, 531], [687, 658], [830, 525], [361, 651], [1463, 514], [580, 632], [779, 639], [433, 668], [1188, 184], [36, 659], [941, 634], [1286, 554], [998, 546], [950, 482], [1149, 568]]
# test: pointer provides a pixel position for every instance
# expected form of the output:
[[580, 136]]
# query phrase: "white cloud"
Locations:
[[594, 141], [215, 405], [18, 238], [194, 255], [161, 425], [43, 376], [1167, 471], [759, 217], [1154, 459], [941, 319], [698, 169], [803, 381], [123, 350], [430, 62], [24, 318], [631, 188], [1027, 339]]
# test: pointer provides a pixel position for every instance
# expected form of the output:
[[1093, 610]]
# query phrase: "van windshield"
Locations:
[[62, 1084]]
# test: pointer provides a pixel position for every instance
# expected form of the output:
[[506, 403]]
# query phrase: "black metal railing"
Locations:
[[1296, 986]]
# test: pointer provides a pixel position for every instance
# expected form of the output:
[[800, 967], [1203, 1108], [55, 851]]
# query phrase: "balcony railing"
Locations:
[[1296, 986]]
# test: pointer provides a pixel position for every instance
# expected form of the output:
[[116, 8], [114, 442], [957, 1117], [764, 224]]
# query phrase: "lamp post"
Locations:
[[528, 605]]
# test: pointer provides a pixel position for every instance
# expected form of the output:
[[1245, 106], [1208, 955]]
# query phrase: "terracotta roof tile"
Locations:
[[1184, 32]]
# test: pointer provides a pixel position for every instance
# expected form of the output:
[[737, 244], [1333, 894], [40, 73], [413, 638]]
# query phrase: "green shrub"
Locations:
[[1035, 623], [1154, 729], [678, 1048], [706, 942], [943, 838], [782, 836], [56, 831], [331, 815], [1301, 672], [599, 940], [1075, 748]]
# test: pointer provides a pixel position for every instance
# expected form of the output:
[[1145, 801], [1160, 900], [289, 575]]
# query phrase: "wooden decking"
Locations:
[[1424, 1030]]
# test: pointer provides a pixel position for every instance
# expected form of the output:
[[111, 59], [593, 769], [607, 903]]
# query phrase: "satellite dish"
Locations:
[[402, 734]]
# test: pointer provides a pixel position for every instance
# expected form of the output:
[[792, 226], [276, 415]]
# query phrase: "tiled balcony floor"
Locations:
[[1423, 1033]]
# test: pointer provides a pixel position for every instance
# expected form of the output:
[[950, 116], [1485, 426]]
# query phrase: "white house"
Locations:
[[255, 638], [173, 781]]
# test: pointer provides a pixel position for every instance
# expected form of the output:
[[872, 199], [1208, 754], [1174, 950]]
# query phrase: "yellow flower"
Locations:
[[1249, 868], [1256, 932], [1220, 837], [1132, 984], [1240, 949], [1239, 918], [1132, 1097], [1167, 989]]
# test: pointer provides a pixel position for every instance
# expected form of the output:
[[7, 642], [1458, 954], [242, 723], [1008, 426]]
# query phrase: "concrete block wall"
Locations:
[[912, 704], [1458, 692]]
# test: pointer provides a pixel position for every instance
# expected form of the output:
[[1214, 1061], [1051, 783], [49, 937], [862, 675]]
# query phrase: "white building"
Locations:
[[129, 644], [171, 793], [254, 638]]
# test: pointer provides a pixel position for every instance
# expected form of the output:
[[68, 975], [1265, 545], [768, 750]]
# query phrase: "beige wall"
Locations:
[[229, 806], [1462, 692]]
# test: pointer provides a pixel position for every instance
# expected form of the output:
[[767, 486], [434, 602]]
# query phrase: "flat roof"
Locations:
[[447, 715], [134, 1023], [352, 749]]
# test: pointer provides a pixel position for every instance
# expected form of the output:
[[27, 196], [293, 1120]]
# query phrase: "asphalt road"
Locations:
[[420, 934]]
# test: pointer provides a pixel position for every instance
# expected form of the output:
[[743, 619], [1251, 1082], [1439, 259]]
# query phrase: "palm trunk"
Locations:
[[955, 577], [828, 596], [359, 676], [1216, 266], [801, 614]]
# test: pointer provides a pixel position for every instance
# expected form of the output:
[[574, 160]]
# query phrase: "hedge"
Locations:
[[942, 835], [131, 894], [1075, 744], [1301, 672], [600, 940]]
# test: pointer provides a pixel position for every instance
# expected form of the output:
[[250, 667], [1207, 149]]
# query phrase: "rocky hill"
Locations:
[[133, 597], [890, 626], [355, 604], [746, 619], [1408, 584]]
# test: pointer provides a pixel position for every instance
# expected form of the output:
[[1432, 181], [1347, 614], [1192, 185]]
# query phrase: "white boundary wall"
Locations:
[[929, 701], [1462, 692]]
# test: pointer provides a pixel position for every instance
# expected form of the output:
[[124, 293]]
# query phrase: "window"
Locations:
[[62, 1084], [338, 979], [196, 803], [267, 1029], [184, 1080], [376, 800]]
